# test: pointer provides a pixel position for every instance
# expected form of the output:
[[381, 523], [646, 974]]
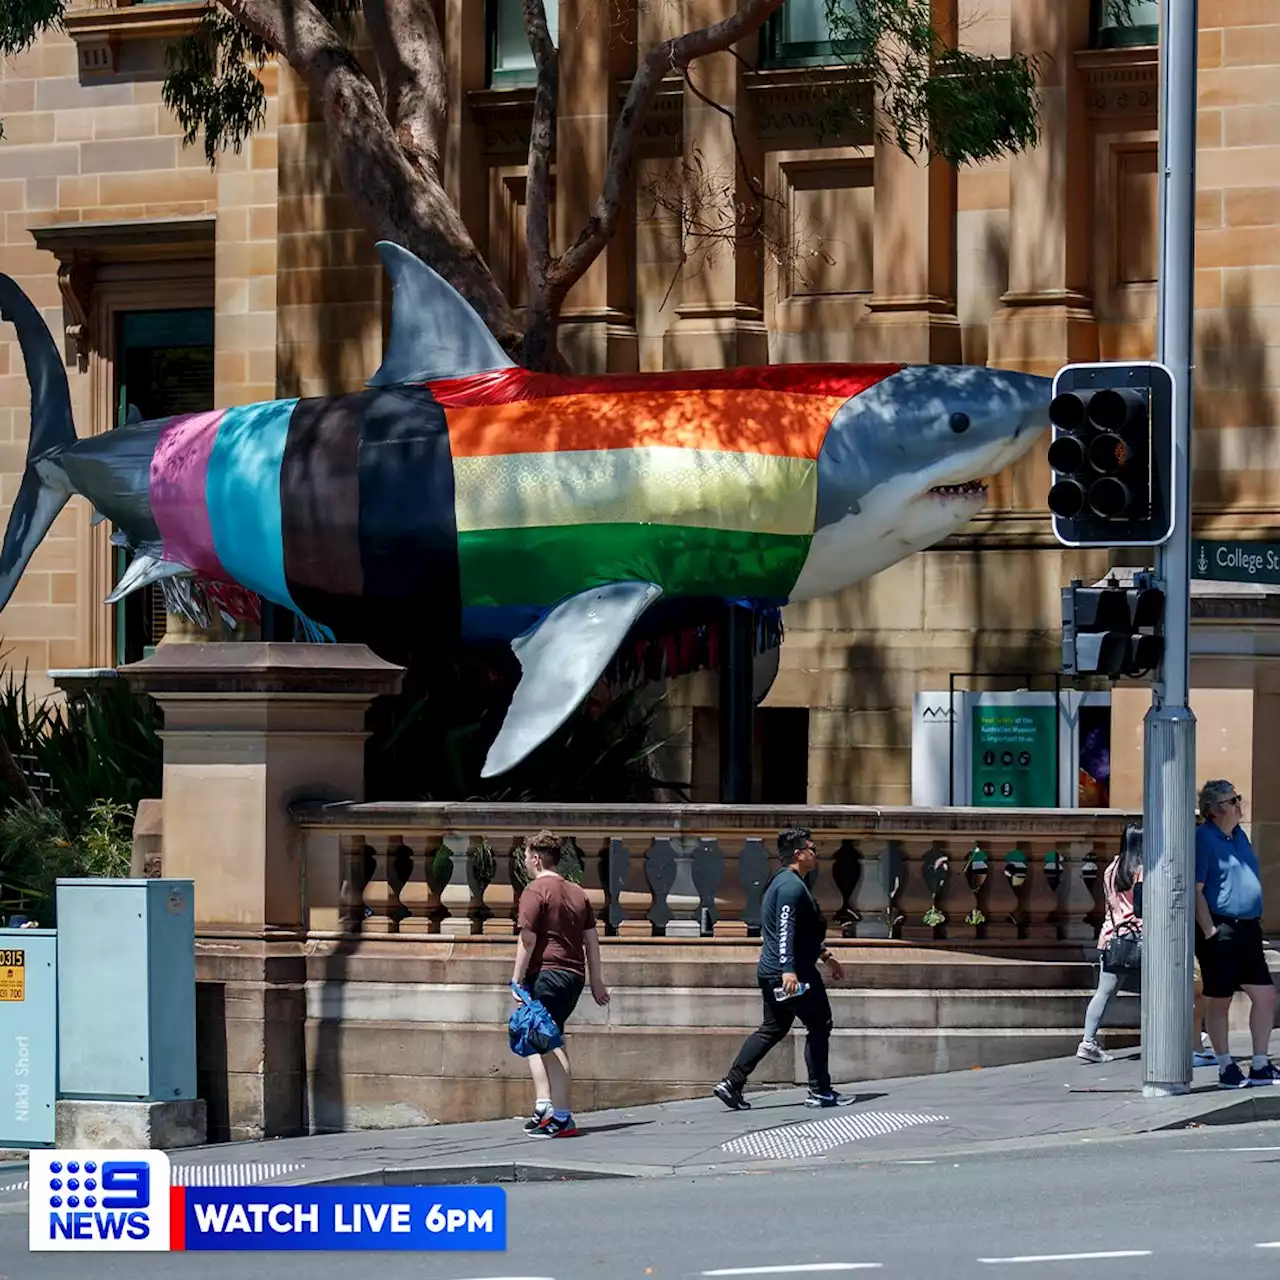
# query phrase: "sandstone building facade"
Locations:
[[175, 287]]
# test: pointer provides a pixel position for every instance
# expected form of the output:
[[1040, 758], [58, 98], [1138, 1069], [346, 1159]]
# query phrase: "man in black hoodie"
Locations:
[[792, 931]]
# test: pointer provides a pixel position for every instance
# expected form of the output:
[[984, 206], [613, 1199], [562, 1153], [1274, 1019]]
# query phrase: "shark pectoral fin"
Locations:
[[561, 659], [143, 570], [435, 331]]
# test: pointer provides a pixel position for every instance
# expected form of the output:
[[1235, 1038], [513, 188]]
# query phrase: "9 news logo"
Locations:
[[98, 1201]]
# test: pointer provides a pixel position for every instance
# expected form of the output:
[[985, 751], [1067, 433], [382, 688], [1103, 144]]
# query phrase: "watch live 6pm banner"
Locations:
[[121, 1201]]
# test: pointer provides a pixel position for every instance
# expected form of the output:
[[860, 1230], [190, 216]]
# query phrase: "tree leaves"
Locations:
[[22, 21], [213, 85], [934, 97]]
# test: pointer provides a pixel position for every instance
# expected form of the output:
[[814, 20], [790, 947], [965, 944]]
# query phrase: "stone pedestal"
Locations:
[[129, 1126], [148, 841], [249, 729]]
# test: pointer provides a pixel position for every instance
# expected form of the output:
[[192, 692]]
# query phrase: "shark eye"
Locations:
[[959, 422]]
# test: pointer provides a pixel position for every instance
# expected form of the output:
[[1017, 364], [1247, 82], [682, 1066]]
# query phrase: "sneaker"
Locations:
[[536, 1121], [553, 1128], [828, 1099], [731, 1097], [1264, 1075], [1231, 1077], [1204, 1058], [1091, 1051]]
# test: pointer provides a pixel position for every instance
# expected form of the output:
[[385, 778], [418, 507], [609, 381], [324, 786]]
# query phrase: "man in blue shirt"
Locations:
[[1229, 933]]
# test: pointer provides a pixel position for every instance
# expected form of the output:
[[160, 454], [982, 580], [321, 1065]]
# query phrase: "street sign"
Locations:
[[1257, 562], [1013, 757]]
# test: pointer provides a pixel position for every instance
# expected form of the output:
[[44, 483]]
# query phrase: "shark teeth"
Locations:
[[971, 488]]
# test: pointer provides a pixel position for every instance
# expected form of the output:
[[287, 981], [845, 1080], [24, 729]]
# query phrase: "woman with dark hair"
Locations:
[[1118, 882]]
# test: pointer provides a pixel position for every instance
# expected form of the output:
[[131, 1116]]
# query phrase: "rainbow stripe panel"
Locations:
[[506, 492], [703, 492]]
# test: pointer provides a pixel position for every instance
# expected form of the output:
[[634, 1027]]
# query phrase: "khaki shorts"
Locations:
[[1199, 981]]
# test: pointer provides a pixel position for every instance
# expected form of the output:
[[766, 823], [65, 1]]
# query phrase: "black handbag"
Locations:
[[1123, 952]]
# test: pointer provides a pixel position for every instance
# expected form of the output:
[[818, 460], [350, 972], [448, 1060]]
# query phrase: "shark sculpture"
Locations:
[[549, 512]]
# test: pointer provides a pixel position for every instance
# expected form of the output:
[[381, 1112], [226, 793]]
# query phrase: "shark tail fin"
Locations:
[[45, 488]]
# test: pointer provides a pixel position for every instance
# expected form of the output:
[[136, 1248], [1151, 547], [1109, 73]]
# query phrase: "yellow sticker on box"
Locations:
[[13, 975]]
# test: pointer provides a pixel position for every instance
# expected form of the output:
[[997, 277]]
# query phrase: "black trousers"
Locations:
[[813, 1009]]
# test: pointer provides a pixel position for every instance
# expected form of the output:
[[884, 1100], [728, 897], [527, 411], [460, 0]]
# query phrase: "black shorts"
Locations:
[[1232, 958], [557, 991]]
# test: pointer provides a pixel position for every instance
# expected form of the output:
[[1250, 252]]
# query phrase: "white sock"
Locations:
[[542, 1106], [1260, 1060], [1224, 1059]]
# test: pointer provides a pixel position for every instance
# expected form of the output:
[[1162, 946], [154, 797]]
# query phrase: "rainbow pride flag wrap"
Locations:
[[500, 494]]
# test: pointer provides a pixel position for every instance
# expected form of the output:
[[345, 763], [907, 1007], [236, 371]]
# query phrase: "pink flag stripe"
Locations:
[[179, 471]]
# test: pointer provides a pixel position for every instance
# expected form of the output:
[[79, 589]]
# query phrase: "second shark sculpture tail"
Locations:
[[45, 487]]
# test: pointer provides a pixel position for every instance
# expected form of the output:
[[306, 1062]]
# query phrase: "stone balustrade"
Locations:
[[976, 877]]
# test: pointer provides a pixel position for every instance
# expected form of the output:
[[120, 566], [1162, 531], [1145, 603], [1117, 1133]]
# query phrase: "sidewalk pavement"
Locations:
[[923, 1117]]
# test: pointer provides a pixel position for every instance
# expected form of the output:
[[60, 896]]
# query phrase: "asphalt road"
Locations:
[[1187, 1204]]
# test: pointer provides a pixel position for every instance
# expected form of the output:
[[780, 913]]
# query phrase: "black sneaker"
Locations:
[[536, 1121], [731, 1097], [553, 1128], [829, 1099], [1263, 1075], [1231, 1077]]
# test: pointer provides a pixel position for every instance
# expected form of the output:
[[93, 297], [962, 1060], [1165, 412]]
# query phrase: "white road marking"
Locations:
[[1270, 1244], [796, 1268], [792, 1141], [1208, 1151], [1072, 1257]]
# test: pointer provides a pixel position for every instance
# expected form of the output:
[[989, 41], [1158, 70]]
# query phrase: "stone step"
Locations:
[[731, 1008], [693, 964], [393, 1074]]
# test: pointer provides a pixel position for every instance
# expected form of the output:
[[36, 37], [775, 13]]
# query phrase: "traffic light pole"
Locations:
[[1169, 730]]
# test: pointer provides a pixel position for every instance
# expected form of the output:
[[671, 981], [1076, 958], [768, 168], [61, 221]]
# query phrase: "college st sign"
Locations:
[[1236, 561]]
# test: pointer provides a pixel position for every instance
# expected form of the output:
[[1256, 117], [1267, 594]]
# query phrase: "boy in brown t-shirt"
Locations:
[[557, 950]]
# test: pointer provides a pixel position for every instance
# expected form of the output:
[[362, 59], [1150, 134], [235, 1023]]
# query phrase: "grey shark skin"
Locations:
[[899, 470], [902, 465]]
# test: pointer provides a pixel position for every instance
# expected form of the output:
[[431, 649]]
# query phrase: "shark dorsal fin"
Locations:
[[435, 332]]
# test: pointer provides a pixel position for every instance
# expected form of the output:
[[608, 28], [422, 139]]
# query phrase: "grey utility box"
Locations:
[[126, 989], [28, 1037]]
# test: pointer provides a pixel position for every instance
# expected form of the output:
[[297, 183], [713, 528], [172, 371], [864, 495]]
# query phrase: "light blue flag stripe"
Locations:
[[243, 491]]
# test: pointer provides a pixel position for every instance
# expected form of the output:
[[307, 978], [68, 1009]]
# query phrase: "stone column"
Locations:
[[248, 730], [911, 316], [1047, 320], [720, 321], [597, 51], [466, 173]]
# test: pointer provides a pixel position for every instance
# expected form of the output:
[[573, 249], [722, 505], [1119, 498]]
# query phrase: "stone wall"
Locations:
[[398, 1031], [83, 148]]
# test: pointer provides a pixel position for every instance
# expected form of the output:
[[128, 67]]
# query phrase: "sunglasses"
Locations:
[[1230, 800]]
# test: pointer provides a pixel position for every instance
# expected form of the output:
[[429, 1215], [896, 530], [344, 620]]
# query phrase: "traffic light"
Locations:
[[1112, 455], [1113, 630]]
